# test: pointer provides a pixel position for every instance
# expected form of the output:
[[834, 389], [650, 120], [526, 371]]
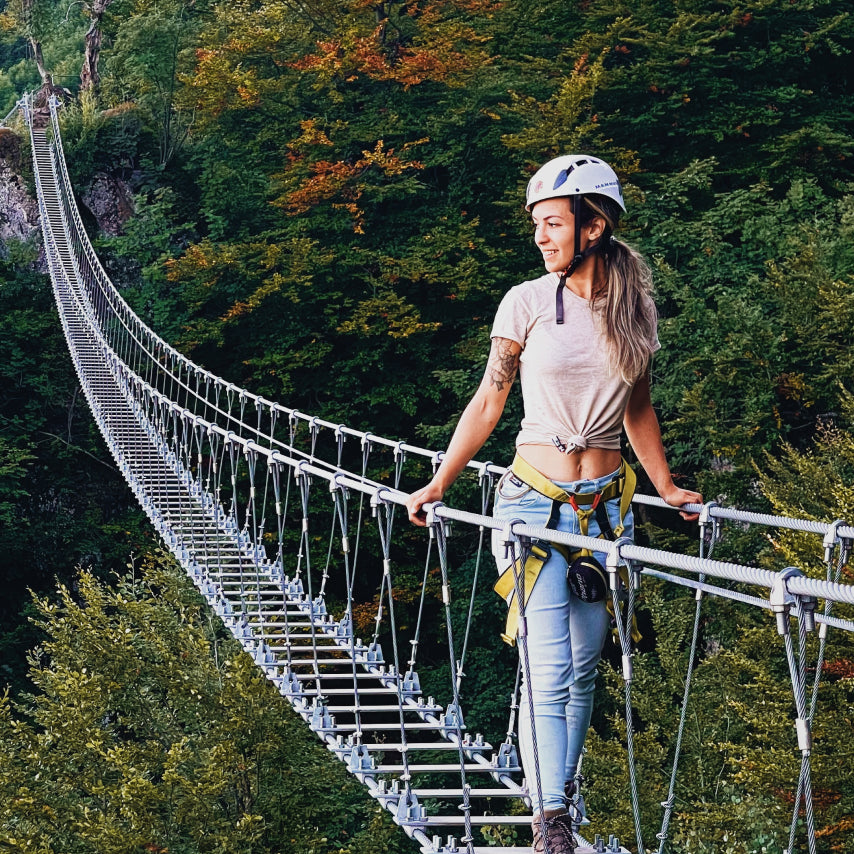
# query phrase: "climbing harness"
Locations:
[[582, 566]]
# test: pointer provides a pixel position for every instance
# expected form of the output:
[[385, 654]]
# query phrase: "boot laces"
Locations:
[[558, 835]]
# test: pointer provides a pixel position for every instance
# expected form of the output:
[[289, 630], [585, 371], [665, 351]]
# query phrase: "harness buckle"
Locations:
[[593, 505]]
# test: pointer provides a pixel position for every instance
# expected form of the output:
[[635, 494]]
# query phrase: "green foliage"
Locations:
[[62, 504], [153, 731], [328, 211]]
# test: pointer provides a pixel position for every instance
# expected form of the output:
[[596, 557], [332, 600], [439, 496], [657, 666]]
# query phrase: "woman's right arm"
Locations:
[[475, 425]]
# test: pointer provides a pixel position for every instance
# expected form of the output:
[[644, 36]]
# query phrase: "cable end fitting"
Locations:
[[781, 600], [432, 518]]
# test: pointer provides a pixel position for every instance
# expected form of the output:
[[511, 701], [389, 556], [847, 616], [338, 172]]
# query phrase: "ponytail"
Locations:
[[624, 302]]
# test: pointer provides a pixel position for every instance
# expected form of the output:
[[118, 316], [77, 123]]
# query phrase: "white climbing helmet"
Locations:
[[573, 175]]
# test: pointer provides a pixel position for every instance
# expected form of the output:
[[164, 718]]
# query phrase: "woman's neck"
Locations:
[[588, 279]]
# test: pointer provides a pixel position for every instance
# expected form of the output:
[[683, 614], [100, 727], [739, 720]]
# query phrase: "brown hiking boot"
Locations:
[[558, 835]]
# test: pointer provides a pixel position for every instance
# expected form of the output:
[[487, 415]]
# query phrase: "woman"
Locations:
[[581, 338]]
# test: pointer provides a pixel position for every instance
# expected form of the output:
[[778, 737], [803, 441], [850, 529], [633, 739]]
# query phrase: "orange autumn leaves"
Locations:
[[345, 181]]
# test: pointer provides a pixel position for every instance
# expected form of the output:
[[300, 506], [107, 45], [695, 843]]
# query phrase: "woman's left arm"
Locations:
[[644, 435]]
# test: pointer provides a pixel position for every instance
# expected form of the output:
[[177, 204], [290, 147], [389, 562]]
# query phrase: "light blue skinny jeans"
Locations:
[[565, 640]]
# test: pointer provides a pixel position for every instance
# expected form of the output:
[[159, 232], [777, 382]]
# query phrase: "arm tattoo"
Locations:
[[503, 363]]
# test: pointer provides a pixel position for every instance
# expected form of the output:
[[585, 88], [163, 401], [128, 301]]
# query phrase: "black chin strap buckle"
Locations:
[[559, 298]]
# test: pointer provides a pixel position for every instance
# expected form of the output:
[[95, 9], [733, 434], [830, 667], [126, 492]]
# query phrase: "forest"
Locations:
[[322, 202]]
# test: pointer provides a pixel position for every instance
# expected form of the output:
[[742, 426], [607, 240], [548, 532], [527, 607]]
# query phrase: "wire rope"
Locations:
[[669, 803]]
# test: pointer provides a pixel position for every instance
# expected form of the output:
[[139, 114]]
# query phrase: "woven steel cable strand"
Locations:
[[720, 592], [514, 704], [844, 549], [262, 523], [251, 465], [280, 559], [720, 569], [796, 671], [486, 483], [235, 511], [339, 497], [217, 447], [197, 438], [416, 638], [389, 522], [624, 634], [819, 666], [806, 773], [325, 576], [186, 477], [442, 547], [366, 452], [510, 542], [386, 579], [304, 482], [385, 531], [683, 713]]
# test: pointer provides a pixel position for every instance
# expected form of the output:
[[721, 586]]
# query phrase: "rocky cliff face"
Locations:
[[19, 210], [110, 201], [108, 198]]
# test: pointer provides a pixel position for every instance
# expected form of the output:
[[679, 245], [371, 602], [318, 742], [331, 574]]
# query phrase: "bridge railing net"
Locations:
[[281, 516]]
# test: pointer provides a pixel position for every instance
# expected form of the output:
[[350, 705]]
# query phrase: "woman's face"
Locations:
[[554, 232]]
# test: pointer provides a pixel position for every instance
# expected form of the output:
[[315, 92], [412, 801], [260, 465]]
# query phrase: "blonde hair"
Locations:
[[623, 302]]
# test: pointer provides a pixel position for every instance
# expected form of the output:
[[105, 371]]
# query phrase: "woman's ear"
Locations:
[[595, 228]]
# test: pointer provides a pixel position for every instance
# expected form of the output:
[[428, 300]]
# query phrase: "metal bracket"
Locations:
[[408, 811], [832, 538], [781, 600]]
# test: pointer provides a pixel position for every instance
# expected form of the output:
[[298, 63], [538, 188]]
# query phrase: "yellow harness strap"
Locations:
[[540, 550], [505, 587], [623, 485]]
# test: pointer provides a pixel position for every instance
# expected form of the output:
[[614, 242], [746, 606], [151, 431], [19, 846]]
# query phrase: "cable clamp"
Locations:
[[432, 519], [707, 518], [780, 599], [335, 482], [615, 558], [509, 537], [378, 498], [366, 440], [832, 538], [483, 469]]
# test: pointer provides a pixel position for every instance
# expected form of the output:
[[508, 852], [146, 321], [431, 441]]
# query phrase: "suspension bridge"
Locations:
[[269, 511]]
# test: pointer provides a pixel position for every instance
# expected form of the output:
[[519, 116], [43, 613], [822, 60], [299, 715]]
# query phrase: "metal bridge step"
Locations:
[[470, 768], [458, 793], [414, 746]]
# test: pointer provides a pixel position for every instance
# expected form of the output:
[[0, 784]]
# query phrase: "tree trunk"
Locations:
[[89, 76], [38, 56]]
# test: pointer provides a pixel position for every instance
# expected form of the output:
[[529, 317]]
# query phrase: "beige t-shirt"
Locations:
[[567, 389]]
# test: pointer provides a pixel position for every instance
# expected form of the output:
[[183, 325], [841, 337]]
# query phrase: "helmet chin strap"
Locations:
[[578, 258]]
